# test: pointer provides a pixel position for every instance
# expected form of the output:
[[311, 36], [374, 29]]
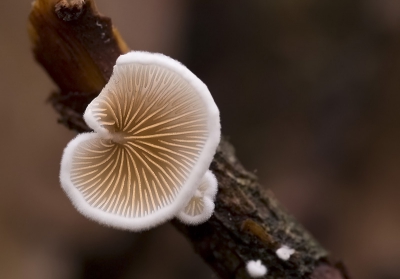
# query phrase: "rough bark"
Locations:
[[78, 48]]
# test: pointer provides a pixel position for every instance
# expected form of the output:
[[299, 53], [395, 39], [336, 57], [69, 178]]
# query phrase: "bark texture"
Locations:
[[78, 48]]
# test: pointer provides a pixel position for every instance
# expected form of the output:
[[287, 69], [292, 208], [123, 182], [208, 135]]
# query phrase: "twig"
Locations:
[[78, 48]]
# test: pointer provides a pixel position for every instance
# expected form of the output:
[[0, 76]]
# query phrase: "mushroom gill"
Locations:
[[201, 206]]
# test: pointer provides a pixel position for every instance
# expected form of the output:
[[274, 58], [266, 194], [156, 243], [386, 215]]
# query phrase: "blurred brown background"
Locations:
[[309, 93]]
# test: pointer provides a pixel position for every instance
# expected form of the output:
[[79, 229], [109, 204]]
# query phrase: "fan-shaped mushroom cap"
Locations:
[[201, 205], [156, 129]]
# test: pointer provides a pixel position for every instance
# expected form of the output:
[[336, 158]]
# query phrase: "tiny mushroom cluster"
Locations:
[[156, 130]]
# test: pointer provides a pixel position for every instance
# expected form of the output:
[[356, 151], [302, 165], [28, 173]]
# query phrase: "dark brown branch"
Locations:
[[78, 48]]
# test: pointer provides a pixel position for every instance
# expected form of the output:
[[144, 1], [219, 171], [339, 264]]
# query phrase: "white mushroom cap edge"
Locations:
[[118, 215]]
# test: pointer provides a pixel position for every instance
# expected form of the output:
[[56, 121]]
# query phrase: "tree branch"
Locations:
[[78, 48]]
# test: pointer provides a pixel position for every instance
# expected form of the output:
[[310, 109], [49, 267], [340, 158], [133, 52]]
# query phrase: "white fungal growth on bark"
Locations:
[[284, 253], [256, 269]]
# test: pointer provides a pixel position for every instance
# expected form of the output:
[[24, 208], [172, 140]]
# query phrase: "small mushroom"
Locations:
[[285, 252], [201, 205], [156, 130], [256, 269]]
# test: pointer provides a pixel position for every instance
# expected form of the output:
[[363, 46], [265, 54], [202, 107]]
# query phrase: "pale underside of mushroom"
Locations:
[[156, 131], [201, 205]]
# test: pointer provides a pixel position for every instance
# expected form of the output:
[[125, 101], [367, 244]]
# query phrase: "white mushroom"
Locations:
[[156, 129], [201, 205], [284, 252], [256, 269]]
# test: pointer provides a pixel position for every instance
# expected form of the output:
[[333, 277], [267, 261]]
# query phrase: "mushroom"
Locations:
[[201, 205], [156, 130], [256, 269], [284, 252]]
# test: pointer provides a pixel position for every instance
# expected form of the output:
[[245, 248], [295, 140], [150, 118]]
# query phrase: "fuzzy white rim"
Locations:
[[198, 219]]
